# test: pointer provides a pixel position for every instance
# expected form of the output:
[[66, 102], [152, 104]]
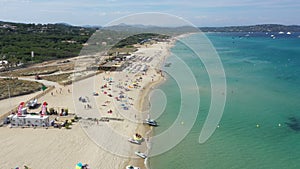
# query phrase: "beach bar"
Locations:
[[29, 121]]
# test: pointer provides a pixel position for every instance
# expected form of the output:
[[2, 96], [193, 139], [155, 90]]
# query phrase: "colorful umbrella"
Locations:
[[79, 166]]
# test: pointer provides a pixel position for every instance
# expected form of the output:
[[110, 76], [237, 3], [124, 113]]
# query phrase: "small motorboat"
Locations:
[[132, 167], [131, 140], [168, 64], [32, 104], [142, 155], [151, 122]]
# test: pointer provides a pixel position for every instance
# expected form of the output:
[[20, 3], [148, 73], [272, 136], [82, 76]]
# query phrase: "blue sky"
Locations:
[[199, 13]]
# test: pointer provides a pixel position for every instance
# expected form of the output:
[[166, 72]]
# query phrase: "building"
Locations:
[[29, 121], [112, 66]]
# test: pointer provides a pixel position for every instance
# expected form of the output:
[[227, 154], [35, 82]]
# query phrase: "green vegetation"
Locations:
[[139, 38], [15, 87], [49, 41], [126, 45]]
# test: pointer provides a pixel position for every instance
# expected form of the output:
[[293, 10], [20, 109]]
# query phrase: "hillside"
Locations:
[[48, 41]]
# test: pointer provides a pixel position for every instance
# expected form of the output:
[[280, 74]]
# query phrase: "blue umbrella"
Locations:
[[79, 165]]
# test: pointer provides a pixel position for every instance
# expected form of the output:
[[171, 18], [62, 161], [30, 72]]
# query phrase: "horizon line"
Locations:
[[88, 25]]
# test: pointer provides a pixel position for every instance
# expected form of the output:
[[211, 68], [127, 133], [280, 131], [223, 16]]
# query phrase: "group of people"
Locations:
[[82, 166], [25, 167], [59, 91]]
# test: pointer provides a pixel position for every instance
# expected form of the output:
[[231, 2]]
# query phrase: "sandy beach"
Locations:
[[122, 96]]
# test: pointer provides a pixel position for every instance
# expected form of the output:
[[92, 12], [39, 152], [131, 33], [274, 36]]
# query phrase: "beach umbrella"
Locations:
[[78, 166]]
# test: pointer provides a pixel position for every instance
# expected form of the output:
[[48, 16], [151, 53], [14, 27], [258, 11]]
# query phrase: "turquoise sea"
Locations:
[[260, 126]]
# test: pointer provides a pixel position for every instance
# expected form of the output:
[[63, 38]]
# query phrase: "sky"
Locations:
[[195, 12]]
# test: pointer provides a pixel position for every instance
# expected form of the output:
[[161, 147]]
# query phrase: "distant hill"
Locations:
[[151, 29], [254, 28], [185, 29]]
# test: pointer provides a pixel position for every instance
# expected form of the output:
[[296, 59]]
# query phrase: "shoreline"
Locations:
[[144, 102], [143, 105]]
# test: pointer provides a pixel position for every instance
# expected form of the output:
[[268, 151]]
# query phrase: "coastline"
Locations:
[[143, 102]]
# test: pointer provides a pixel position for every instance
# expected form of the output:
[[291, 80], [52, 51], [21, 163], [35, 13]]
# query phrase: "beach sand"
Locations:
[[99, 144]]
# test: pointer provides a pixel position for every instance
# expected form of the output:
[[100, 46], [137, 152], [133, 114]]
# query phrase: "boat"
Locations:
[[32, 104], [273, 36], [132, 167], [151, 122], [168, 64], [280, 33], [131, 140], [142, 155], [288, 33]]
